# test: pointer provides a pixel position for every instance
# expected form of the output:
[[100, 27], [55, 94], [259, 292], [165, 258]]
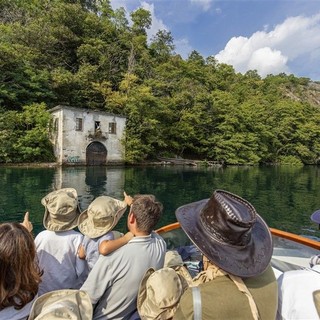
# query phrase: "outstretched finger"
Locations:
[[26, 216]]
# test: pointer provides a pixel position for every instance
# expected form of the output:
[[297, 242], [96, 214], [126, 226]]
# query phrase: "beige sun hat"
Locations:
[[61, 210], [174, 260], [62, 304], [316, 300], [159, 294], [101, 216]]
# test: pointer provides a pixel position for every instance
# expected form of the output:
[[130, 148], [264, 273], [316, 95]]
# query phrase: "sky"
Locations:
[[270, 36]]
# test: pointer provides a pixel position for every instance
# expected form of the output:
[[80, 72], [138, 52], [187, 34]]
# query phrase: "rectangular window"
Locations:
[[112, 127], [97, 125], [56, 125], [79, 126]]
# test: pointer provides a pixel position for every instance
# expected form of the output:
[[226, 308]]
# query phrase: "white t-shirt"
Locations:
[[57, 254], [296, 294], [14, 314]]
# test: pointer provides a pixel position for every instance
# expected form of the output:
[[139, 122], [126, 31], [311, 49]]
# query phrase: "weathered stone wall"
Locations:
[[71, 144]]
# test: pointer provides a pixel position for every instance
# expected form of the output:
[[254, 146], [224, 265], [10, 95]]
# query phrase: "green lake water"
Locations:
[[284, 196]]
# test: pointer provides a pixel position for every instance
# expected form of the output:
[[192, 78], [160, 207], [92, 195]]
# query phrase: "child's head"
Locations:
[[101, 216], [61, 210]]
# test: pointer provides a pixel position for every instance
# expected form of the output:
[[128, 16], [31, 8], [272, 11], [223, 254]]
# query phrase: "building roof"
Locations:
[[61, 107]]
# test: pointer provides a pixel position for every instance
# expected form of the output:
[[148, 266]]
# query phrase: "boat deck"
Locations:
[[290, 251]]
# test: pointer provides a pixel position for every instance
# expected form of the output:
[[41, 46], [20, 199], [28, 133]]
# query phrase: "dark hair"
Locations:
[[20, 273], [147, 211]]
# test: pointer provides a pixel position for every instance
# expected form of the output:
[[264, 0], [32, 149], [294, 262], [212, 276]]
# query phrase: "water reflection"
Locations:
[[284, 196]]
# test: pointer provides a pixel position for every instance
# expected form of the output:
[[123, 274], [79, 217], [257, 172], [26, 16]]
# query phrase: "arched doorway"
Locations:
[[96, 154]]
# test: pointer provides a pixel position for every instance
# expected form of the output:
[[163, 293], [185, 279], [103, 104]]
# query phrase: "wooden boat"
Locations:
[[290, 251]]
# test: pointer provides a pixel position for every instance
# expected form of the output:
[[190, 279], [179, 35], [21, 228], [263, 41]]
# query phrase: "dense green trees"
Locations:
[[83, 53]]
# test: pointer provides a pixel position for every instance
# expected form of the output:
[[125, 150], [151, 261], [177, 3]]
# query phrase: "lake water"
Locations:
[[284, 196]]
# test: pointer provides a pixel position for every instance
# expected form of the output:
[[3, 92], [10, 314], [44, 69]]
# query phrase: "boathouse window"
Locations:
[[79, 124], [112, 127], [55, 125], [97, 125]]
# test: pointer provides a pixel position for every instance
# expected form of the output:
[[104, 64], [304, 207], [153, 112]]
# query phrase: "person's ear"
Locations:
[[131, 218]]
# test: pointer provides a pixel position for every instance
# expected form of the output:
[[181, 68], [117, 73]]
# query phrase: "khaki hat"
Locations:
[[316, 300], [173, 260], [61, 210], [159, 294], [101, 216], [62, 304]]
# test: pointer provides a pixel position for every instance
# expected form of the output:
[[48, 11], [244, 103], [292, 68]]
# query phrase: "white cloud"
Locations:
[[157, 24], [268, 61], [116, 4], [218, 10], [205, 4], [274, 51]]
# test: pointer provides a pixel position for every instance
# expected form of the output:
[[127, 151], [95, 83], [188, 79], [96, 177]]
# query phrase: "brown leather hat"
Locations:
[[229, 232]]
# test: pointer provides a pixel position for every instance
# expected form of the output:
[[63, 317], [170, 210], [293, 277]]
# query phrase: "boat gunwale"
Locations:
[[276, 232]]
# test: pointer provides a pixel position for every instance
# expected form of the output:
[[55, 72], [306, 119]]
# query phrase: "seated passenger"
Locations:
[[238, 281], [173, 260], [159, 294], [20, 275], [96, 224], [296, 289], [114, 280], [57, 246], [62, 304]]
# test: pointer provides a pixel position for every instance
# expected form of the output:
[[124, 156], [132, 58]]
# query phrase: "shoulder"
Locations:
[[157, 237]]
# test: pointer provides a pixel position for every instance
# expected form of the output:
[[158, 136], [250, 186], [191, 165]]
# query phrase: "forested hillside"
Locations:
[[84, 54]]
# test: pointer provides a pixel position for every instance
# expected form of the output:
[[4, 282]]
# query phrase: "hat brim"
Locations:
[[87, 228], [146, 308], [47, 218], [242, 261], [315, 217], [56, 299]]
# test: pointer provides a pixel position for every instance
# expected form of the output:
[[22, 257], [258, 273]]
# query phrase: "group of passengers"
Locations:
[[99, 273]]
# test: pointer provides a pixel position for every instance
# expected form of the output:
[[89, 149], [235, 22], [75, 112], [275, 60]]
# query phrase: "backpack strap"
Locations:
[[197, 310]]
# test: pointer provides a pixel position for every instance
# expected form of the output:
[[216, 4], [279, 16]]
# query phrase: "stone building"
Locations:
[[87, 137]]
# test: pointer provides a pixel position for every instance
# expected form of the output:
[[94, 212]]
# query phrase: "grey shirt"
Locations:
[[114, 281]]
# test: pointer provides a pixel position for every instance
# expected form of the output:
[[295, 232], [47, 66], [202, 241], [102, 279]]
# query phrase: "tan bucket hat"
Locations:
[[173, 260], [61, 210], [316, 300], [62, 304], [101, 216], [159, 294]]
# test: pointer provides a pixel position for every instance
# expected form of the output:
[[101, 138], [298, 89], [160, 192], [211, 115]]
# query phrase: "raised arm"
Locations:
[[108, 246], [81, 252]]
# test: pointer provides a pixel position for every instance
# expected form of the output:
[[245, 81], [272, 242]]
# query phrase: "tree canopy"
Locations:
[[83, 53]]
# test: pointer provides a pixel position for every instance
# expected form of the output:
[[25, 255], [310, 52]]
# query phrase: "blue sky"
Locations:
[[271, 36]]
